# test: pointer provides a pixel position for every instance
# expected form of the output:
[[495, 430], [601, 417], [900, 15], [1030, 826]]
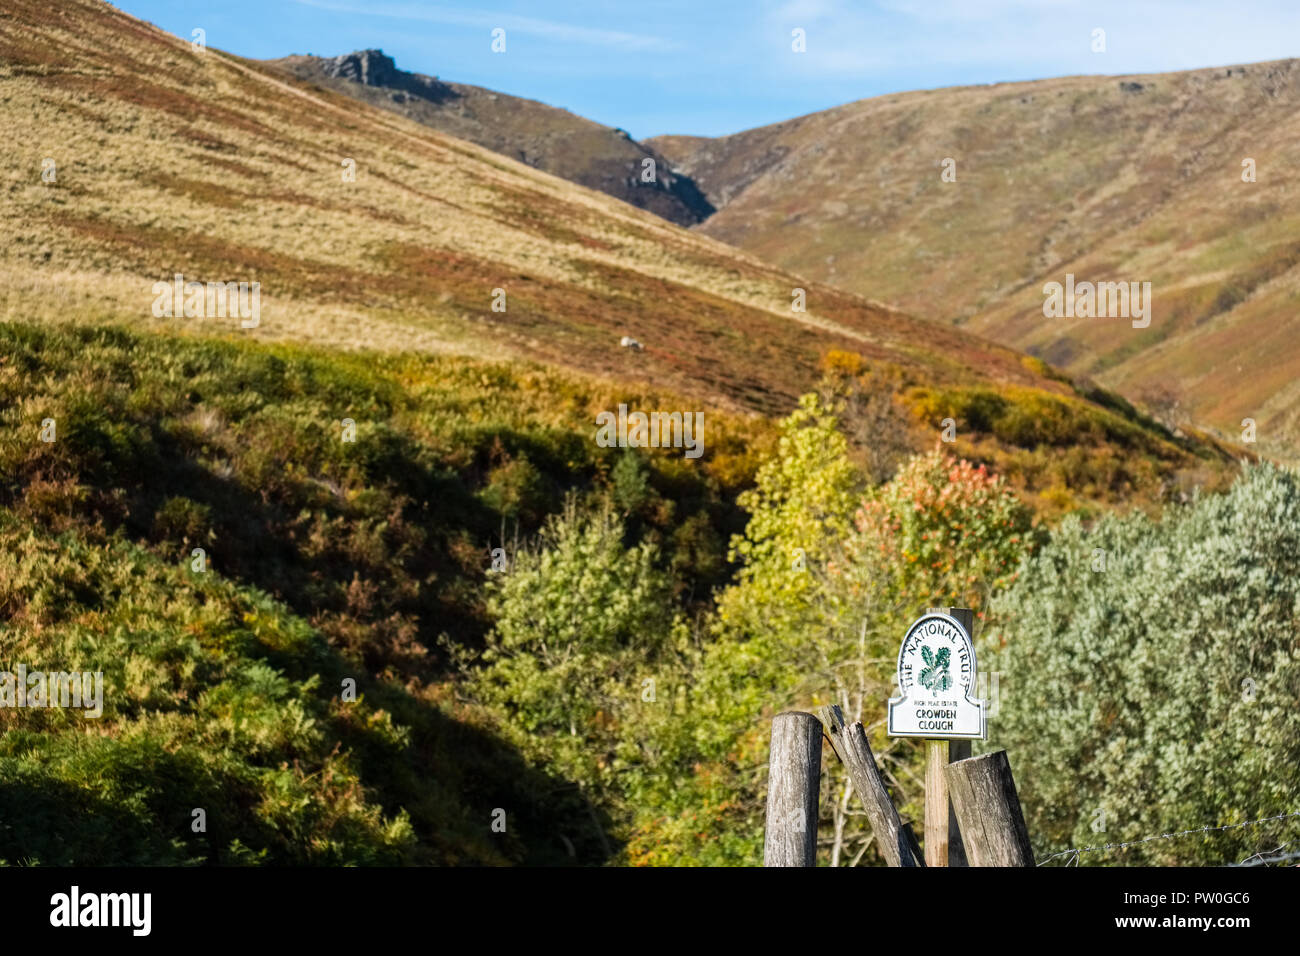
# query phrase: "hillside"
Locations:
[[544, 137], [1135, 178], [322, 561], [170, 160], [174, 160], [326, 560]]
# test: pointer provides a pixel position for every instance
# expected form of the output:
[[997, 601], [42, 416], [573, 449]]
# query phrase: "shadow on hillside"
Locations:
[[451, 783], [548, 821], [45, 821], [380, 570], [455, 776], [262, 543], [451, 780]]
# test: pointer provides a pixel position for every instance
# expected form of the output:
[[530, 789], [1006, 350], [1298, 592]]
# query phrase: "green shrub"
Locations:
[[211, 699], [181, 519], [326, 558], [581, 620], [630, 482], [1158, 694]]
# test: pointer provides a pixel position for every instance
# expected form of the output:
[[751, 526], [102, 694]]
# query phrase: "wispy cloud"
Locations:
[[720, 66], [1023, 39], [950, 11], [512, 23]]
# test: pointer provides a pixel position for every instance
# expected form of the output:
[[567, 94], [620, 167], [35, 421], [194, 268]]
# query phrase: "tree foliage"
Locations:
[[1150, 677], [831, 573], [943, 530], [581, 621]]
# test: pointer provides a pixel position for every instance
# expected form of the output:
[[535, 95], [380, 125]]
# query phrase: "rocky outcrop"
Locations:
[[544, 137], [378, 69]]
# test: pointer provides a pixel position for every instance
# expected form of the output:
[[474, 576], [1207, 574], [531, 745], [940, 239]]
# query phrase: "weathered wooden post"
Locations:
[[939, 705], [936, 803], [957, 749], [897, 845], [793, 788], [985, 801]]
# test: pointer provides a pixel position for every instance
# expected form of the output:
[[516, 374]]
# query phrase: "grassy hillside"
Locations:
[[1134, 178], [173, 160], [541, 136], [325, 560]]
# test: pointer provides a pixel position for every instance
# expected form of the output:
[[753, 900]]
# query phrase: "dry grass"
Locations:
[[227, 170], [545, 137], [1075, 175], [170, 160]]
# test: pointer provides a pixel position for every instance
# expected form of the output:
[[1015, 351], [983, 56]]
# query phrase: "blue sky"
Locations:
[[711, 67]]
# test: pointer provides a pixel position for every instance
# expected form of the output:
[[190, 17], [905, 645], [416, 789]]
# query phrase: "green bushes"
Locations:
[[325, 559], [830, 572], [181, 519], [1028, 417], [211, 700], [1066, 453], [239, 449], [617, 677], [1150, 677], [581, 621], [516, 489]]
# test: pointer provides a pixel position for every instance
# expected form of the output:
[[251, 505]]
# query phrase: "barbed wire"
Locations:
[[1075, 852], [1266, 860], [1260, 859]]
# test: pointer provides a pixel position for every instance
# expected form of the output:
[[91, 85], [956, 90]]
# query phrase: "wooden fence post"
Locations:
[[988, 808], [793, 788], [957, 750], [897, 845]]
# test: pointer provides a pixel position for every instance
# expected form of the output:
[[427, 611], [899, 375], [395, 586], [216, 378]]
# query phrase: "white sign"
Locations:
[[936, 679]]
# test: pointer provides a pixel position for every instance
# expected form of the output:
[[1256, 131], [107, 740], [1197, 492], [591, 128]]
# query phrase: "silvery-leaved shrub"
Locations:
[[1150, 678]]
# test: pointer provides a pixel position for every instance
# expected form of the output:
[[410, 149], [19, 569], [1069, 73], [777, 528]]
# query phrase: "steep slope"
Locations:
[[322, 561], [167, 160], [1109, 178], [544, 137]]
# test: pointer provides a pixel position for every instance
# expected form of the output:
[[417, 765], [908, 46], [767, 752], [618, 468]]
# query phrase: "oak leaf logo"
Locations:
[[935, 676]]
